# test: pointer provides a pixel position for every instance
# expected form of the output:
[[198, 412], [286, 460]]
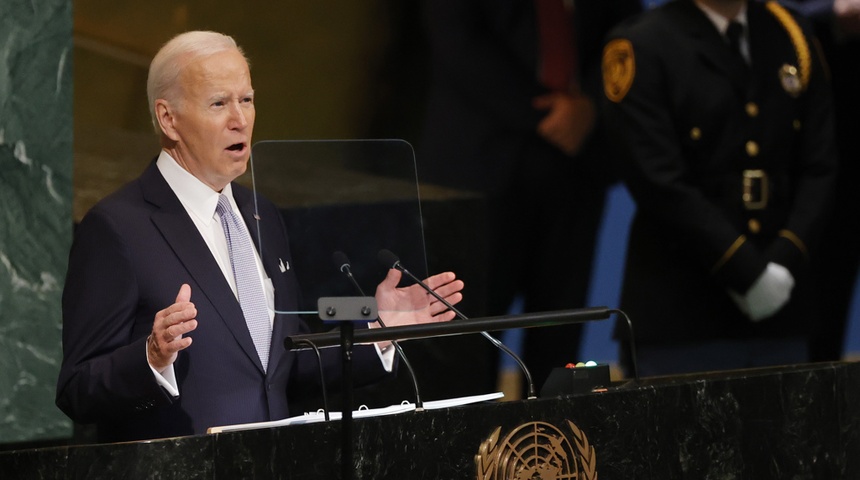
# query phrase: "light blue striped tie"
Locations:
[[250, 290]]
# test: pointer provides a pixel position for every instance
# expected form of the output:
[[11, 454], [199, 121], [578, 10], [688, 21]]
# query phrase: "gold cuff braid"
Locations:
[[791, 237], [729, 253]]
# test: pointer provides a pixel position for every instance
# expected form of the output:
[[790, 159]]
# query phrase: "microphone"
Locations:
[[341, 261], [389, 259]]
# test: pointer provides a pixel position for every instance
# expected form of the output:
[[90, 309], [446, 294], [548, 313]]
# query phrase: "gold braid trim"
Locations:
[[729, 253], [791, 237], [801, 46]]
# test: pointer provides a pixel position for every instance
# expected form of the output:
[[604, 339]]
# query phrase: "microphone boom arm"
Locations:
[[460, 327], [386, 257]]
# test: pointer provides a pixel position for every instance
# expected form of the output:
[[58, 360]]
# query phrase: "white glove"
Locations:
[[770, 292]]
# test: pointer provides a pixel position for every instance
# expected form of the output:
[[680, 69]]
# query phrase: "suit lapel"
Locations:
[[181, 234]]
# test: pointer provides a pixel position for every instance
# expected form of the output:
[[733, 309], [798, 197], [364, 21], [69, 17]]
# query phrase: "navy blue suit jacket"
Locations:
[[130, 255]]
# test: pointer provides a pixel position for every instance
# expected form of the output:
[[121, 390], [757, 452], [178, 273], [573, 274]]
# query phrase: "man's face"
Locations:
[[215, 118]]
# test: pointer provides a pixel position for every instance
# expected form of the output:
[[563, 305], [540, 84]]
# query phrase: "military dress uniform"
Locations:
[[731, 165]]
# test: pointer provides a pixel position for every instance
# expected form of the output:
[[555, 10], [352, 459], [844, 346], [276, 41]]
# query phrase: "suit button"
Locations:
[[752, 148], [796, 124], [751, 109], [754, 225], [695, 133]]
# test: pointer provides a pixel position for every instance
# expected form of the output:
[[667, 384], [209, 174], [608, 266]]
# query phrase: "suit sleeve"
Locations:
[[104, 372], [816, 170], [593, 22]]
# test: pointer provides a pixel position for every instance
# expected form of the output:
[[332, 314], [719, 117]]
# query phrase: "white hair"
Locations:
[[174, 56]]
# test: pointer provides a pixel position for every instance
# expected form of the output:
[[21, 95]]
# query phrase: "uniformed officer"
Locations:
[[721, 113]]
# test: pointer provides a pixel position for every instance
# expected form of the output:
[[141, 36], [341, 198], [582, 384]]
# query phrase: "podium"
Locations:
[[799, 421]]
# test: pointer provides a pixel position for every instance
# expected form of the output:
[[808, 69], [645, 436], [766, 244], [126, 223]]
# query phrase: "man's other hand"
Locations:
[[412, 304], [166, 339], [568, 122]]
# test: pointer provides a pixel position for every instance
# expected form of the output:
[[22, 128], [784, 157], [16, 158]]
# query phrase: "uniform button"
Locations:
[[754, 225], [796, 124], [752, 148], [752, 109], [695, 133]]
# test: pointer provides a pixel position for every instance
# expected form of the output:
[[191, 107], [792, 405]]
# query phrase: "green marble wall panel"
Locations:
[[35, 211]]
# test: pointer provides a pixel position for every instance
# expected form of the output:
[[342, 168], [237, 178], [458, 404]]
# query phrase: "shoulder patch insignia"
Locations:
[[619, 68]]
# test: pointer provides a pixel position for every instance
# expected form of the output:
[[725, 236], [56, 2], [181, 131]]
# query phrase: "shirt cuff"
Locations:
[[386, 356], [166, 379]]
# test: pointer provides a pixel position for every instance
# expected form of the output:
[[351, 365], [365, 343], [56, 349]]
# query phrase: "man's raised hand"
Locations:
[[168, 328]]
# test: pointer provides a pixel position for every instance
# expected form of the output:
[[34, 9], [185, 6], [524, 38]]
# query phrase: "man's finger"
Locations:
[[184, 294], [449, 288], [178, 329], [440, 279], [173, 316], [436, 306], [178, 344], [392, 279]]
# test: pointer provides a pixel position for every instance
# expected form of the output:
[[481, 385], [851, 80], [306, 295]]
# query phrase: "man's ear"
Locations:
[[165, 113]]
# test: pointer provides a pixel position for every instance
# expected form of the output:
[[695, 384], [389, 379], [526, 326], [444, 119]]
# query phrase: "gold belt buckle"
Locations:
[[755, 192]]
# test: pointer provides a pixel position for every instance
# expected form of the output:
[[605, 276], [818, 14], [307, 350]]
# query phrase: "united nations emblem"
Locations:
[[789, 77], [619, 68], [537, 451]]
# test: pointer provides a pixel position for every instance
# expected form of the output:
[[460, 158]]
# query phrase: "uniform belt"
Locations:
[[755, 189]]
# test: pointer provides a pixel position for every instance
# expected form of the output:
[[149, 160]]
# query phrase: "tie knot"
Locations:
[[223, 206], [734, 33]]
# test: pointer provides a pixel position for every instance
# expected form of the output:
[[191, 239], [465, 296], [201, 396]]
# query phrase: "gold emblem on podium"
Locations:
[[537, 450]]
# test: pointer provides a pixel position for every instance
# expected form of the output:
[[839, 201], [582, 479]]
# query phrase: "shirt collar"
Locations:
[[721, 22], [197, 197]]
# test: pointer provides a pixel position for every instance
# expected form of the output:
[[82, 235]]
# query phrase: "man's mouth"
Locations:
[[236, 147]]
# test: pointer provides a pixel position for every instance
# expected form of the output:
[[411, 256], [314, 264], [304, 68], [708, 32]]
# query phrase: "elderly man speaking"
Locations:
[[169, 309]]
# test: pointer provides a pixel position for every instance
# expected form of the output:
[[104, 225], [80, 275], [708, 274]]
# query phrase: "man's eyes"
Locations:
[[221, 103]]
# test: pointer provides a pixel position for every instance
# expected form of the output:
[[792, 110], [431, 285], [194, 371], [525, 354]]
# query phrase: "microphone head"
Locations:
[[341, 261], [388, 259]]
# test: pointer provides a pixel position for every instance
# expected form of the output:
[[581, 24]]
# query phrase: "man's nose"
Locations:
[[237, 117]]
